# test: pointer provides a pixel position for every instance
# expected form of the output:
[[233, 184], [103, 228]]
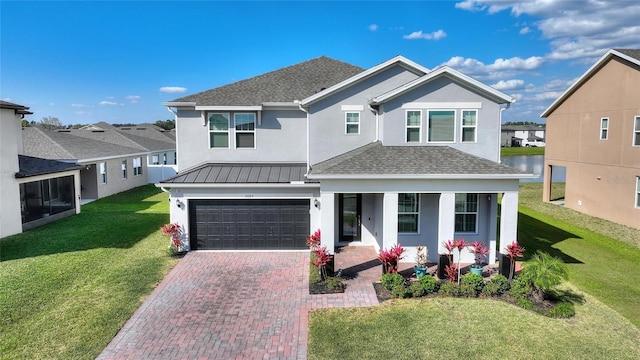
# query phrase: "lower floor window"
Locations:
[[137, 166], [638, 192], [466, 213], [408, 212]]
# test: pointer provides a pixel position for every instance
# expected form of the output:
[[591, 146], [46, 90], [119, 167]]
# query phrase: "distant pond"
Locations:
[[533, 164]]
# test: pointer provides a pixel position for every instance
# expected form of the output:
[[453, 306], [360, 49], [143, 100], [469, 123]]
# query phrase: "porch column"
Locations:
[[390, 220], [546, 182], [493, 227], [327, 221], [446, 219], [508, 220]]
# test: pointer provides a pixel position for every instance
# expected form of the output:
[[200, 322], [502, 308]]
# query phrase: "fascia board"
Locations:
[[179, 104], [241, 186], [229, 108], [401, 60], [582, 79], [111, 157], [422, 176]]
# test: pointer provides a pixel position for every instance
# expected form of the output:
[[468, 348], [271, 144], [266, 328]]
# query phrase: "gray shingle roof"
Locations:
[[634, 53], [294, 82], [376, 159], [241, 174], [19, 109], [32, 166]]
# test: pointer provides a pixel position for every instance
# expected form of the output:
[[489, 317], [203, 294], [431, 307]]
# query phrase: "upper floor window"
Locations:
[[604, 128], [352, 123], [441, 126], [155, 160], [408, 212], [245, 126], [636, 131], [414, 125], [469, 125], [466, 213], [123, 166], [137, 166], [218, 130], [103, 172]]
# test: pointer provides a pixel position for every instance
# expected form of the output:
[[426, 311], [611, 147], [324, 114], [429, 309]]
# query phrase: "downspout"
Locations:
[[308, 133], [377, 122], [500, 132]]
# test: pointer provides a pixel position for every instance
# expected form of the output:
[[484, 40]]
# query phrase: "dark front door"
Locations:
[[248, 224], [350, 216]]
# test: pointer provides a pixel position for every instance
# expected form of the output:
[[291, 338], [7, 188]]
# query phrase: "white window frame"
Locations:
[[137, 166], [474, 126], [604, 130], [236, 131], [407, 127], [103, 172], [466, 212], [228, 132], [155, 159], [428, 131], [415, 213], [636, 131], [347, 123], [175, 158], [637, 192], [164, 159], [123, 167]]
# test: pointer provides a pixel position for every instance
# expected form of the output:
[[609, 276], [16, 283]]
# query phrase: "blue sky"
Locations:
[[85, 62]]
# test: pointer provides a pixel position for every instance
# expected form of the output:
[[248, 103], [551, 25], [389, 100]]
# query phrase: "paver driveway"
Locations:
[[231, 305]]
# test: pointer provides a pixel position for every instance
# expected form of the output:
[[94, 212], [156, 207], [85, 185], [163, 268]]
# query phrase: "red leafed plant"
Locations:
[[313, 240], [451, 271], [174, 232], [514, 251], [479, 250], [389, 258], [450, 245], [322, 258]]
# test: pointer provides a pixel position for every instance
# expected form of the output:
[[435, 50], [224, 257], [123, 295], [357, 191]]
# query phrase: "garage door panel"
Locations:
[[249, 224]]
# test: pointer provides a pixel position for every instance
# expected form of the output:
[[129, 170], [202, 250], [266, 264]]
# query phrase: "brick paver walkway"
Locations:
[[238, 305]]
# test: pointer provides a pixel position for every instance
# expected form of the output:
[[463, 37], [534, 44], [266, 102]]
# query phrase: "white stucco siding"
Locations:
[[10, 140], [280, 136], [327, 117], [451, 96]]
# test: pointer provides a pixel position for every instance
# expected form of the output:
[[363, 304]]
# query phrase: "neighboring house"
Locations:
[[163, 159], [522, 135], [110, 162], [393, 154], [594, 131], [33, 191]]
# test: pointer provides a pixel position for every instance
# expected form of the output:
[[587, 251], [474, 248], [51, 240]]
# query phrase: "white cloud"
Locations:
[[436, 35], [173, 89], [108, 103], [133, 99], [525, 30], [373, 27], [508, 84], [81, 105], [500, 69]]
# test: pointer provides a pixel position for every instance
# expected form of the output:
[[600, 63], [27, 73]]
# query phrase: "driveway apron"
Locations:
[[230, 305]]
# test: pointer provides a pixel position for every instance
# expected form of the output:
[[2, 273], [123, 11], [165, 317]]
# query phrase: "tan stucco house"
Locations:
[[593, 129]]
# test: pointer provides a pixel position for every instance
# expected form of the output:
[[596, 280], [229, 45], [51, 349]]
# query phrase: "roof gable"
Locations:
[[396, 61], [283, 85], [630, 55]]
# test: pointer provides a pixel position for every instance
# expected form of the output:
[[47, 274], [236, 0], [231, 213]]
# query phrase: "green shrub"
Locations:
[[525, 303], [401, 291], [471, 284], [562, 310], [429, 283], [543, 272], [520, 288], [390, 281], [334, 283], [417, 290], [502, 283], [449, 289]]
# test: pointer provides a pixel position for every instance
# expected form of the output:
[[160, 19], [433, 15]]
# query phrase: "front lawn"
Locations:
[[456, 328], [68, 287], [512, 151]]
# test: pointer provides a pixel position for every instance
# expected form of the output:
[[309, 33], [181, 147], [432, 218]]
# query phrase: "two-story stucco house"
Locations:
[[593, 130], [396, 153]]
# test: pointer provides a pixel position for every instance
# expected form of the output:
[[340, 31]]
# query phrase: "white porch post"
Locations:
[[508, 220], [446, 219], [493, 227], [327, 221], [390, 220]]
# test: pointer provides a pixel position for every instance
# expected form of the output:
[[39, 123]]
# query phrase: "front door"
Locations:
[[350, 216]]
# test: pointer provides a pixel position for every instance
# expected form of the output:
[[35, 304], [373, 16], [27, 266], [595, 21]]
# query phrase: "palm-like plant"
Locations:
[[544, 271]]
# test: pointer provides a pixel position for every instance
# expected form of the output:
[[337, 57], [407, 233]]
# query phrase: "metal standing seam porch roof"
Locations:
[[250, 173]]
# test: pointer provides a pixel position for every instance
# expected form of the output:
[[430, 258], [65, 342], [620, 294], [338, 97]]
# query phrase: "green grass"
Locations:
[[68, 287], [455, 328], [511, 151]]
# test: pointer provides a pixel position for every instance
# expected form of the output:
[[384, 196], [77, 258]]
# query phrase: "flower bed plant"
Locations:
[[321, 279]]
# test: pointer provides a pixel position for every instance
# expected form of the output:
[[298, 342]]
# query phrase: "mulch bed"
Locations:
[[322, 288]]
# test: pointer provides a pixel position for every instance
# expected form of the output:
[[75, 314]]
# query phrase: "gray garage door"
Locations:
[[248, 224]]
